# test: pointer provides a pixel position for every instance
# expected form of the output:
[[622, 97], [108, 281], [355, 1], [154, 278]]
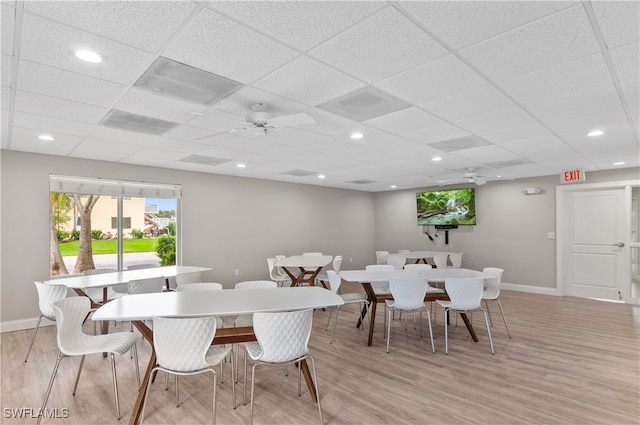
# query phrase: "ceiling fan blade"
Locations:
[[480, 181], [294, 119]]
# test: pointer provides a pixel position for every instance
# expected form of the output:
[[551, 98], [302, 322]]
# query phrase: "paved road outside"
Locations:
[[110, 261]]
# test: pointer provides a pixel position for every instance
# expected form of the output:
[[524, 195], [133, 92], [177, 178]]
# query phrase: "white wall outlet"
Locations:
[[551, 235], [350, 259], [237, 272]]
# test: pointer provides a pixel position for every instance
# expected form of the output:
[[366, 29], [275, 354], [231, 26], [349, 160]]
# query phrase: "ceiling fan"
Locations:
[[259, 122], [469, 177]]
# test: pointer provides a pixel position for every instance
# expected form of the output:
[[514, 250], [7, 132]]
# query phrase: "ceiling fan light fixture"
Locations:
[[88, 56]]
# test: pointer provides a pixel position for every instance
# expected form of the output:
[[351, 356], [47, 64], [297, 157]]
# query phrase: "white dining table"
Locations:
[[227, 302], [365, 277], [308, 267], [418, 256]]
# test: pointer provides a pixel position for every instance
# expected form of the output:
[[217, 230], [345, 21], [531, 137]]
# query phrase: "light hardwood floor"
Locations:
[[571, 361]]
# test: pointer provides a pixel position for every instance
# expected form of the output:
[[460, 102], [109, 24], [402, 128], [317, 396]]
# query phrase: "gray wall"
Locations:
[[511, 232], [228, 223]]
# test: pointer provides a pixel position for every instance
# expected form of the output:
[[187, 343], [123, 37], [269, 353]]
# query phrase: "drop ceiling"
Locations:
[[509, 88]]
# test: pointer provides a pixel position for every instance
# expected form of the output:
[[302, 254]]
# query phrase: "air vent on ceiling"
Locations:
[[365, 104], [510, 163], [184, 82], [362, 181], [134, 122], [460, 143], [300, 173], [204, 160]]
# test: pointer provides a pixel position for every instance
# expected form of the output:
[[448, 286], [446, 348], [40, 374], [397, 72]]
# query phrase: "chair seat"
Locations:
[[215, 355], [244, 320], [432, 290], [353, 297], [253, 349], [380, 288], [118, 342]]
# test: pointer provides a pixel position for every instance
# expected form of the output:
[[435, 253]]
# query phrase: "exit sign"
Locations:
[[572, 176]]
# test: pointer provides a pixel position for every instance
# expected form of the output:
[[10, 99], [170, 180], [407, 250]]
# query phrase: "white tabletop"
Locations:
[[224, 302], [305, 261], [116, 278], [432, 275]]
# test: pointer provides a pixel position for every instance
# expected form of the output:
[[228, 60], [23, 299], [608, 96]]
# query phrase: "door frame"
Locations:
[[562, 239]]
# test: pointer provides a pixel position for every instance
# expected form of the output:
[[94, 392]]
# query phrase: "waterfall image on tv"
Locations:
[[454, 206]]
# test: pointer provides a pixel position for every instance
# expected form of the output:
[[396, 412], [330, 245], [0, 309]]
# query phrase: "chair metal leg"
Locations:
[[244, 380], [53, 377], [446, 332], [78, 375], [389, 328], [335, 323], [34, 338], [504, 319], [177, 392], [253, 380], [486, 320], [215, 386], [329, 319], [315, 382], [115, 384], [486, 304], [299, 379], [433, 347]]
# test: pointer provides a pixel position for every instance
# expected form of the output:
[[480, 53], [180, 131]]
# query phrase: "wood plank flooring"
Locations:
[[571, 361]]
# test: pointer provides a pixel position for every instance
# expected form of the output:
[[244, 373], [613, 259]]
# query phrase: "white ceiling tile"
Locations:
[[189, 132], [67, 85], [569, 77], [498, 119], [6, 72], [406, 120], [381, 46], [26, 139], [462, 23], [4, 129], [219, 45], [619, 21], [103, 150], [144, 102], [504, 135], [241, 102], [631, 90], [116, 135], [308, 81], [473, 102], [626, 62], [51, 125], [52, 44], [147, 25], [442, 77], [7, 14], [490, 153], [436, 133], [301, 25], [558, 38], [58, 108]]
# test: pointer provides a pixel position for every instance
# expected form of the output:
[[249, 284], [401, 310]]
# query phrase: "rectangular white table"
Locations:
[[365, 277], [308, 267], [226, 302]]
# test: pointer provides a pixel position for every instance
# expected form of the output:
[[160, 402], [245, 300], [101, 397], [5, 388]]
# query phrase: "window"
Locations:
[[125, 223]]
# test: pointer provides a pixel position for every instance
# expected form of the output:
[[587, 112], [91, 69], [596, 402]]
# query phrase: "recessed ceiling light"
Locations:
[[357, 136], [321, 176], [241, 165], [88, 56], [393, 186], [594, 133], [46, 137], [619, 163], [436, 158]]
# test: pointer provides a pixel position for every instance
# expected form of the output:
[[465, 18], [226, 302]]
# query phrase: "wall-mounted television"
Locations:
[[446, 207]]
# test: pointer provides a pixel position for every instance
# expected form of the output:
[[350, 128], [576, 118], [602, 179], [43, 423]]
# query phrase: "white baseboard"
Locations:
[[530, 289], [19, 325]]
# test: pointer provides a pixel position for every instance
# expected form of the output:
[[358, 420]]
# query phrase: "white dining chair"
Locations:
[[72, 341], [274, 274], [47, 295], [491, 292], [441, 261], [142, 266], [381, 257], [403, 251], [186, 278], [203, 286], [408, 297], [350, 298], [383, 286], [456, 259], [323, 277], [183, 347], [113, 292], [315, 254], [465, 295], [397, 261], [282, 339]]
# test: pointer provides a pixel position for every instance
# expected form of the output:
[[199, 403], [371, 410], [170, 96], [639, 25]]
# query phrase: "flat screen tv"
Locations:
[[446, 207]]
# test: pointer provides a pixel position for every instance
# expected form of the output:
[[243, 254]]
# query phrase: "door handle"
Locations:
[[619, 244]]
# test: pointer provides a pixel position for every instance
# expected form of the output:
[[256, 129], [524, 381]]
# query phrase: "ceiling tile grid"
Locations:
[[509, 88]]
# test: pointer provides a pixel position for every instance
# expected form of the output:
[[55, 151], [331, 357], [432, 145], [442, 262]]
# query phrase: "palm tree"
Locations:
[[85, 250], [57, 201]]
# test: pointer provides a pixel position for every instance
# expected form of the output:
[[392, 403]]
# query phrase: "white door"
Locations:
[[595, 225]]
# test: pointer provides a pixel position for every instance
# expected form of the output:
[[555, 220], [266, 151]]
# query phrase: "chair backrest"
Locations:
[[317, 254], [199, 286], [185, 278], [380, 267], [48, 294], [403, 251], [98, 271], [249, 284], [381, 257], [456, 259], [440, 260], [417, 266], [141, 266], [337, 263], [147, 286], [283, 336], [408, 294], [464, 293], [70, 314], [334, 281], [279, 257], [492, 289], [181, 344], [271, 263], [396, 261]]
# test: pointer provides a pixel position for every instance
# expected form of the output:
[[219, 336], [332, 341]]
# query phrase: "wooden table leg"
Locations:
[[295, 280], [136, 411], [304, 367], [469, 326], [371, 296]]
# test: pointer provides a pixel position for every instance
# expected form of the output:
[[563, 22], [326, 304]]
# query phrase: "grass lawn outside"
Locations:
[[110, 246]]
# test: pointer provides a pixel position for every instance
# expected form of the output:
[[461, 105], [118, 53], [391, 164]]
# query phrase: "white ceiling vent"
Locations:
[[300, 173], [204, 160], [365, 104], [174, 79], [460, 143], [362, 181], [510, 163], [139, 123]]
